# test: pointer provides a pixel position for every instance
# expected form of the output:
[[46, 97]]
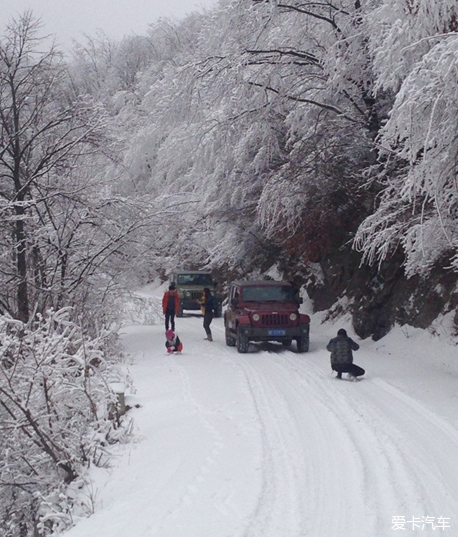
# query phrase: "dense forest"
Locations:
[[319, 138]]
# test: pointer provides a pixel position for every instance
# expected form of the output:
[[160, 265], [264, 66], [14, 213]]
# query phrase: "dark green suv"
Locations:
[[190, 285]]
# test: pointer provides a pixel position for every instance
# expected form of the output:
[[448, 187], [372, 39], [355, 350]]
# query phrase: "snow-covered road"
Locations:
[[270, 444]]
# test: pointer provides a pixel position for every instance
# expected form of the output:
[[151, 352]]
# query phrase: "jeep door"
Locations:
[[232, 308]]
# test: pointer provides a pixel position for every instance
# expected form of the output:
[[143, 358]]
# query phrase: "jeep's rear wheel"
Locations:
[[242, 341], [230, 339]]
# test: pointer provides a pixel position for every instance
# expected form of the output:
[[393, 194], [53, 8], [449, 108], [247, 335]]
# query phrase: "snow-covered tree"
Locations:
[[69, 231], [42, 136], [415, 49], [240, 120], [57, 417]]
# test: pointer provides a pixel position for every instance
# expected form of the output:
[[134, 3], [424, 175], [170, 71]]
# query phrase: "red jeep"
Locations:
[[265, 311]]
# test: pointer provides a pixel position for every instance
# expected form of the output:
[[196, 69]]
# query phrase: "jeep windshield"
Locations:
[[194, 279], [268, 294]]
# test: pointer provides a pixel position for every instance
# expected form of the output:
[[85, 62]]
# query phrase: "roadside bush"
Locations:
[[55, 418]]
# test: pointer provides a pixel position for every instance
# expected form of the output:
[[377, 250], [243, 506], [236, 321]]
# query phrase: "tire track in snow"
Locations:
[[277, 503], [408, 452], [312, 447], [389, 460], [378, 458], [300, 471]]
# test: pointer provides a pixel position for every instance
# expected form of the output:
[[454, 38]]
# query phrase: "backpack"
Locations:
[[171, 301]]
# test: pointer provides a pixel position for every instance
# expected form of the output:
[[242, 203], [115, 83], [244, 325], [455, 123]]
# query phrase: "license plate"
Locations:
[[276, 332]]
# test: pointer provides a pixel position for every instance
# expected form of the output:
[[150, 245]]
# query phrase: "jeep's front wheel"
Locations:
[[303, 343], [180, 312], [230, 339], [242, 341]]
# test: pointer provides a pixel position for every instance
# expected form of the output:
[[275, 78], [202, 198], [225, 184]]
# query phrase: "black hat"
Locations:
[[172, 287], [342, 332]]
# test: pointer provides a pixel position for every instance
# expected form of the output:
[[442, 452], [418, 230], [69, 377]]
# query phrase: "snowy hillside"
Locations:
[[271, 444]]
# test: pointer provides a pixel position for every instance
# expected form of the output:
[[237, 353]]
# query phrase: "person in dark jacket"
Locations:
[[207, 305], [341, 349], [170, 306]]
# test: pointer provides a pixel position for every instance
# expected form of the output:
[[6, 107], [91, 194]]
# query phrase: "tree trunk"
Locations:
[[21, 263]]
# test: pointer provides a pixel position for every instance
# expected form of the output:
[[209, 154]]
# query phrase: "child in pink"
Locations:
[[173, 343]]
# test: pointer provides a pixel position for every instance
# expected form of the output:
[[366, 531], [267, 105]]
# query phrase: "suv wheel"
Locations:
[[242, 342], [180, 312], [286, 342], [303, 343], [230, 339]]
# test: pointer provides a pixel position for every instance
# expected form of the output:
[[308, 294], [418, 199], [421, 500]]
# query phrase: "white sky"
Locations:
[[69, 19]]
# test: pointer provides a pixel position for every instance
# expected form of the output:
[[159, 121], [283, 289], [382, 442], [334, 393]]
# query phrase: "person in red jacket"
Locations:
[[170, 306]]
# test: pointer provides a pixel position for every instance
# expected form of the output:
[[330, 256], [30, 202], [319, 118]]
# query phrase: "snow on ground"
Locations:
[[271, 444]]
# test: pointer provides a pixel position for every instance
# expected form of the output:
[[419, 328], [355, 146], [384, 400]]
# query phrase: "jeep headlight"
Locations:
[[187, 294], [256, 317], [293, 316]]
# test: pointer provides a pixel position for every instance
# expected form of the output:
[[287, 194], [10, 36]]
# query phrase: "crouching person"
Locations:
[[341, 349], [173, 343]]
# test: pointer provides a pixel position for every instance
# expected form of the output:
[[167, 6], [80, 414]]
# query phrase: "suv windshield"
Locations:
[[194, 279], [268, 294]]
